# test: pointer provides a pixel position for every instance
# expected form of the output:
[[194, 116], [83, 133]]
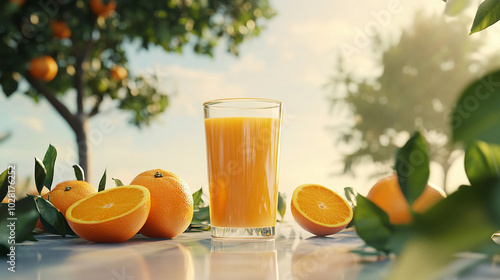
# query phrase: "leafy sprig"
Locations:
[[467, 218], [25, 211], [463, 221], [30, 208], [201, 214]]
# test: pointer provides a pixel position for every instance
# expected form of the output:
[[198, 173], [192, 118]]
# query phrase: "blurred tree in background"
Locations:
[[420, 77], [71, 52], [4, 136]]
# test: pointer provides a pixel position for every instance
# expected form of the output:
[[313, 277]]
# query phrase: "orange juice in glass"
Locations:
[[243, 143]]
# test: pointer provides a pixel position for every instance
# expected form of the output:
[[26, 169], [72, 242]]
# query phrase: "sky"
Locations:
[[290, 61]]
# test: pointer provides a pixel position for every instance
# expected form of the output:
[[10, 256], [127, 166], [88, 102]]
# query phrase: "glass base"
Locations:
[[241, 233]]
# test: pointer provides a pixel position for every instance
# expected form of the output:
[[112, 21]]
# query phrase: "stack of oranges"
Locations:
[[157, 204]]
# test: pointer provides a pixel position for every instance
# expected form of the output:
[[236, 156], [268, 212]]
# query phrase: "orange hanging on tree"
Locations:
[[118, 73], [101, 9], [60, 29], [43, 68]]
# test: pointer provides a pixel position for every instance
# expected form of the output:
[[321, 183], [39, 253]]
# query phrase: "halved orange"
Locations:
[[320, 210], [112, 215]]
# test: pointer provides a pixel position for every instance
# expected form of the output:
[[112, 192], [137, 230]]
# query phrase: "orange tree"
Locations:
[[418, 79], [87, 37]]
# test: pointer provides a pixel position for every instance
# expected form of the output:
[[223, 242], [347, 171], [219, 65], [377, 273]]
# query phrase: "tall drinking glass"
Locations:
[[243, 145]]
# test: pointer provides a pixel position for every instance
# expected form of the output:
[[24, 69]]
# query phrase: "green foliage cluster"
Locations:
[[466, 219], [97, 45]]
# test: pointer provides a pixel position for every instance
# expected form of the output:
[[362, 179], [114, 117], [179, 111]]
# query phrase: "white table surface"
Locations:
[[293, 254]]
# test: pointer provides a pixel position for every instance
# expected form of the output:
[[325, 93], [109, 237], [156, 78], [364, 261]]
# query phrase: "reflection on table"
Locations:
[[249, 259]]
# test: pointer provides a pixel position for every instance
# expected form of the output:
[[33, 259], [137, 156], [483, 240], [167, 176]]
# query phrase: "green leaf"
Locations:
[[455, 7], [22, 217], [79, 173], [281, 205], [49, 228], [463, 222], [482, 162], [196, 226], [197, 197], [4, 184], [350, 195], [8, 84], [476, 115], [102, 182], [53, 217], [202, 214], [40, 175], [118, 182], [372, 224], [49, 161], [487, 14], [412, 167], [27, 217]]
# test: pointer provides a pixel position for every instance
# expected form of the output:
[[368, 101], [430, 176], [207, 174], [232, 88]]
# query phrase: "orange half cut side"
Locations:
[[320, 210], [112, 215]]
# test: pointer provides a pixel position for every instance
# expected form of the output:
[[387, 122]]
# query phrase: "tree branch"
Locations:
[[80, 60], [97, 104], [51, 97]]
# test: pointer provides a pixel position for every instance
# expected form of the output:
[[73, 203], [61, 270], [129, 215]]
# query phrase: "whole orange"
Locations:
[[101, 9], [171, 203], [43, 68], [118, 73], [387, 194], [69, 192], [60, 29]]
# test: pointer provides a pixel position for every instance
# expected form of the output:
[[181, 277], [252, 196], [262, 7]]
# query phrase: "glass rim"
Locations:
[[228, 103]]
